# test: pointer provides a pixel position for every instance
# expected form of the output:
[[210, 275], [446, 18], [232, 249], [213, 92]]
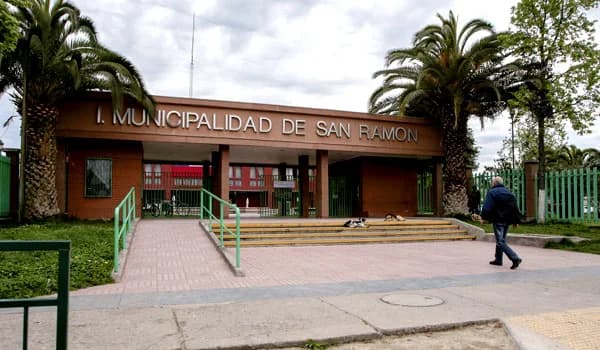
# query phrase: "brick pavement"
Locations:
[[576, 329], [176, 255]]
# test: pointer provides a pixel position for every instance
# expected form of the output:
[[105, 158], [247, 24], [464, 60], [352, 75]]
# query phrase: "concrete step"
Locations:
[[298, 235], [340, 228], [411, 222], [368, 240], [333, 232]]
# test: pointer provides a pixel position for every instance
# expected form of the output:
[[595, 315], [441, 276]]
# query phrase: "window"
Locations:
[[157, 174], [235, 176], [148, 174], [98, 178], [256, 172]]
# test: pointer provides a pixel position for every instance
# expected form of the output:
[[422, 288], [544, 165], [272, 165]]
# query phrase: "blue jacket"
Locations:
[[500, 206]]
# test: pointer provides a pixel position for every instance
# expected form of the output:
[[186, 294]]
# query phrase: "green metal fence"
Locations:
[[172, 194], [280, 196], [4, 186], [425, 193], [206, 210], [572, 195], [341, 199], [124, 215], [513, 180], [61, 301]]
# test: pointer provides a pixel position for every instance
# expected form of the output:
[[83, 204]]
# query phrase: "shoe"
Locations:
[[516, 264], [494, 262]]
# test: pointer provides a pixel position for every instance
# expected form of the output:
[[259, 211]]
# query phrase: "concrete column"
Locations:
[[322, 190], [531, 169], [304, 189], [216, 180], [438, 189], [282, 171], [206, 179], [13, 155], [224, 174]]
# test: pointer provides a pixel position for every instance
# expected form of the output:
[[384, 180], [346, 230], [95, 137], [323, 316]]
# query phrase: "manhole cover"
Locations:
[[413, 300]]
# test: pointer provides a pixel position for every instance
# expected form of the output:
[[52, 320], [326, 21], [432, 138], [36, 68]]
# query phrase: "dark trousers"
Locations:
[[500, 232]]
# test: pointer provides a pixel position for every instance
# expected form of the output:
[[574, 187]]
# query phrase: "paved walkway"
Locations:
[[177, 293], [176, 255]]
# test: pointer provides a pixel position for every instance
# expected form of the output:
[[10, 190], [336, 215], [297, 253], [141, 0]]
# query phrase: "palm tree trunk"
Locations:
[[454, 139], [40, 162]]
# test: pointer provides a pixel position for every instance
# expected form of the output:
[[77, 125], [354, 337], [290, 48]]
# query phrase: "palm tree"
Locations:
[[57, 57], [449, 75], [569, 157]]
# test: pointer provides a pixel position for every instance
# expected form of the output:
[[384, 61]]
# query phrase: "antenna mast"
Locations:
[[192, 57]]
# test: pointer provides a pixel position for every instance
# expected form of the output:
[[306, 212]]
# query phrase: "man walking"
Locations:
[[500, 208]]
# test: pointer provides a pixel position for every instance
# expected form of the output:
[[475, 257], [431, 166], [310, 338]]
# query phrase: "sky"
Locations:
[[307, 53]]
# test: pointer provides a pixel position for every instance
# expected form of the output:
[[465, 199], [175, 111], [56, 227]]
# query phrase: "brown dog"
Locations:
[[393, 217]]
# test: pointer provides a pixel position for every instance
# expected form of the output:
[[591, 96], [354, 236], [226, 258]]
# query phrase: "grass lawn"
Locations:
[[585, 231], [29, 274]]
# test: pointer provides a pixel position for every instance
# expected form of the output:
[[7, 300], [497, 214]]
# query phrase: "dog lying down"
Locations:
[[393, 217], [361, 222]]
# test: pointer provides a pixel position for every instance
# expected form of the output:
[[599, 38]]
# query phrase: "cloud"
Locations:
[[310, 53]]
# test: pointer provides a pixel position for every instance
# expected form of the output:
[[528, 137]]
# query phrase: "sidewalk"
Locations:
[[330, 294]]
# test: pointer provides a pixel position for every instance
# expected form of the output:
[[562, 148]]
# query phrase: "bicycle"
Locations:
[[151, 209]]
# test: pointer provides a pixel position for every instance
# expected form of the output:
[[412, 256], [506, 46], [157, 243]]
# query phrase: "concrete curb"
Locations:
[[478, 232], [525, 339], [124, 253], [377, 334], [230, 260], [530, 240]]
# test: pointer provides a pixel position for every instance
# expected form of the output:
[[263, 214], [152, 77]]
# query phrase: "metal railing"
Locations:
[[61, 301], [208, 198], [425, 193], [4, 186], [124, 214]]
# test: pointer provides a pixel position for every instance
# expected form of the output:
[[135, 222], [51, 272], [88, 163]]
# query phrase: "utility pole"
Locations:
[[192, 57]]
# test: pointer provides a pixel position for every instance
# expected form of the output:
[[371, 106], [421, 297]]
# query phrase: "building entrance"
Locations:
[[172, 190]]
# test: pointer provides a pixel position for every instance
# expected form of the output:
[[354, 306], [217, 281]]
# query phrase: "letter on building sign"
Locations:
[[122, 119], [192, 117], [99, 115], [265, 124], [287, 128], [250, 124], [235, 122], [170, 122], [321, 128], [363, 130]]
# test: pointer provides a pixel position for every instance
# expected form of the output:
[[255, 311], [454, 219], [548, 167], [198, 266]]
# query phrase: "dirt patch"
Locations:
[[487, 336]]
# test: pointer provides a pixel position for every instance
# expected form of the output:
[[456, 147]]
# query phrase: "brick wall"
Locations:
[[126, 173]]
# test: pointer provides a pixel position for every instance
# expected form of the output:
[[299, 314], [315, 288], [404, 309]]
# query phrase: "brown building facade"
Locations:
[[102, 154]]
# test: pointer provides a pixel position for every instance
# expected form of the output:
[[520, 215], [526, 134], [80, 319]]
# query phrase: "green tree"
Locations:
[[9, 26], [447, 75], [57, 57], [554, 38], [525, 140]]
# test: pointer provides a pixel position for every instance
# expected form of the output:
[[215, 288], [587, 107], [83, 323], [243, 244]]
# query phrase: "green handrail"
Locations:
[[222, 227], [61, 301], [124, 214]]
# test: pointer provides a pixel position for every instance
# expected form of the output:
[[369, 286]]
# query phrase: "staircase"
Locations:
[[334, 233]]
